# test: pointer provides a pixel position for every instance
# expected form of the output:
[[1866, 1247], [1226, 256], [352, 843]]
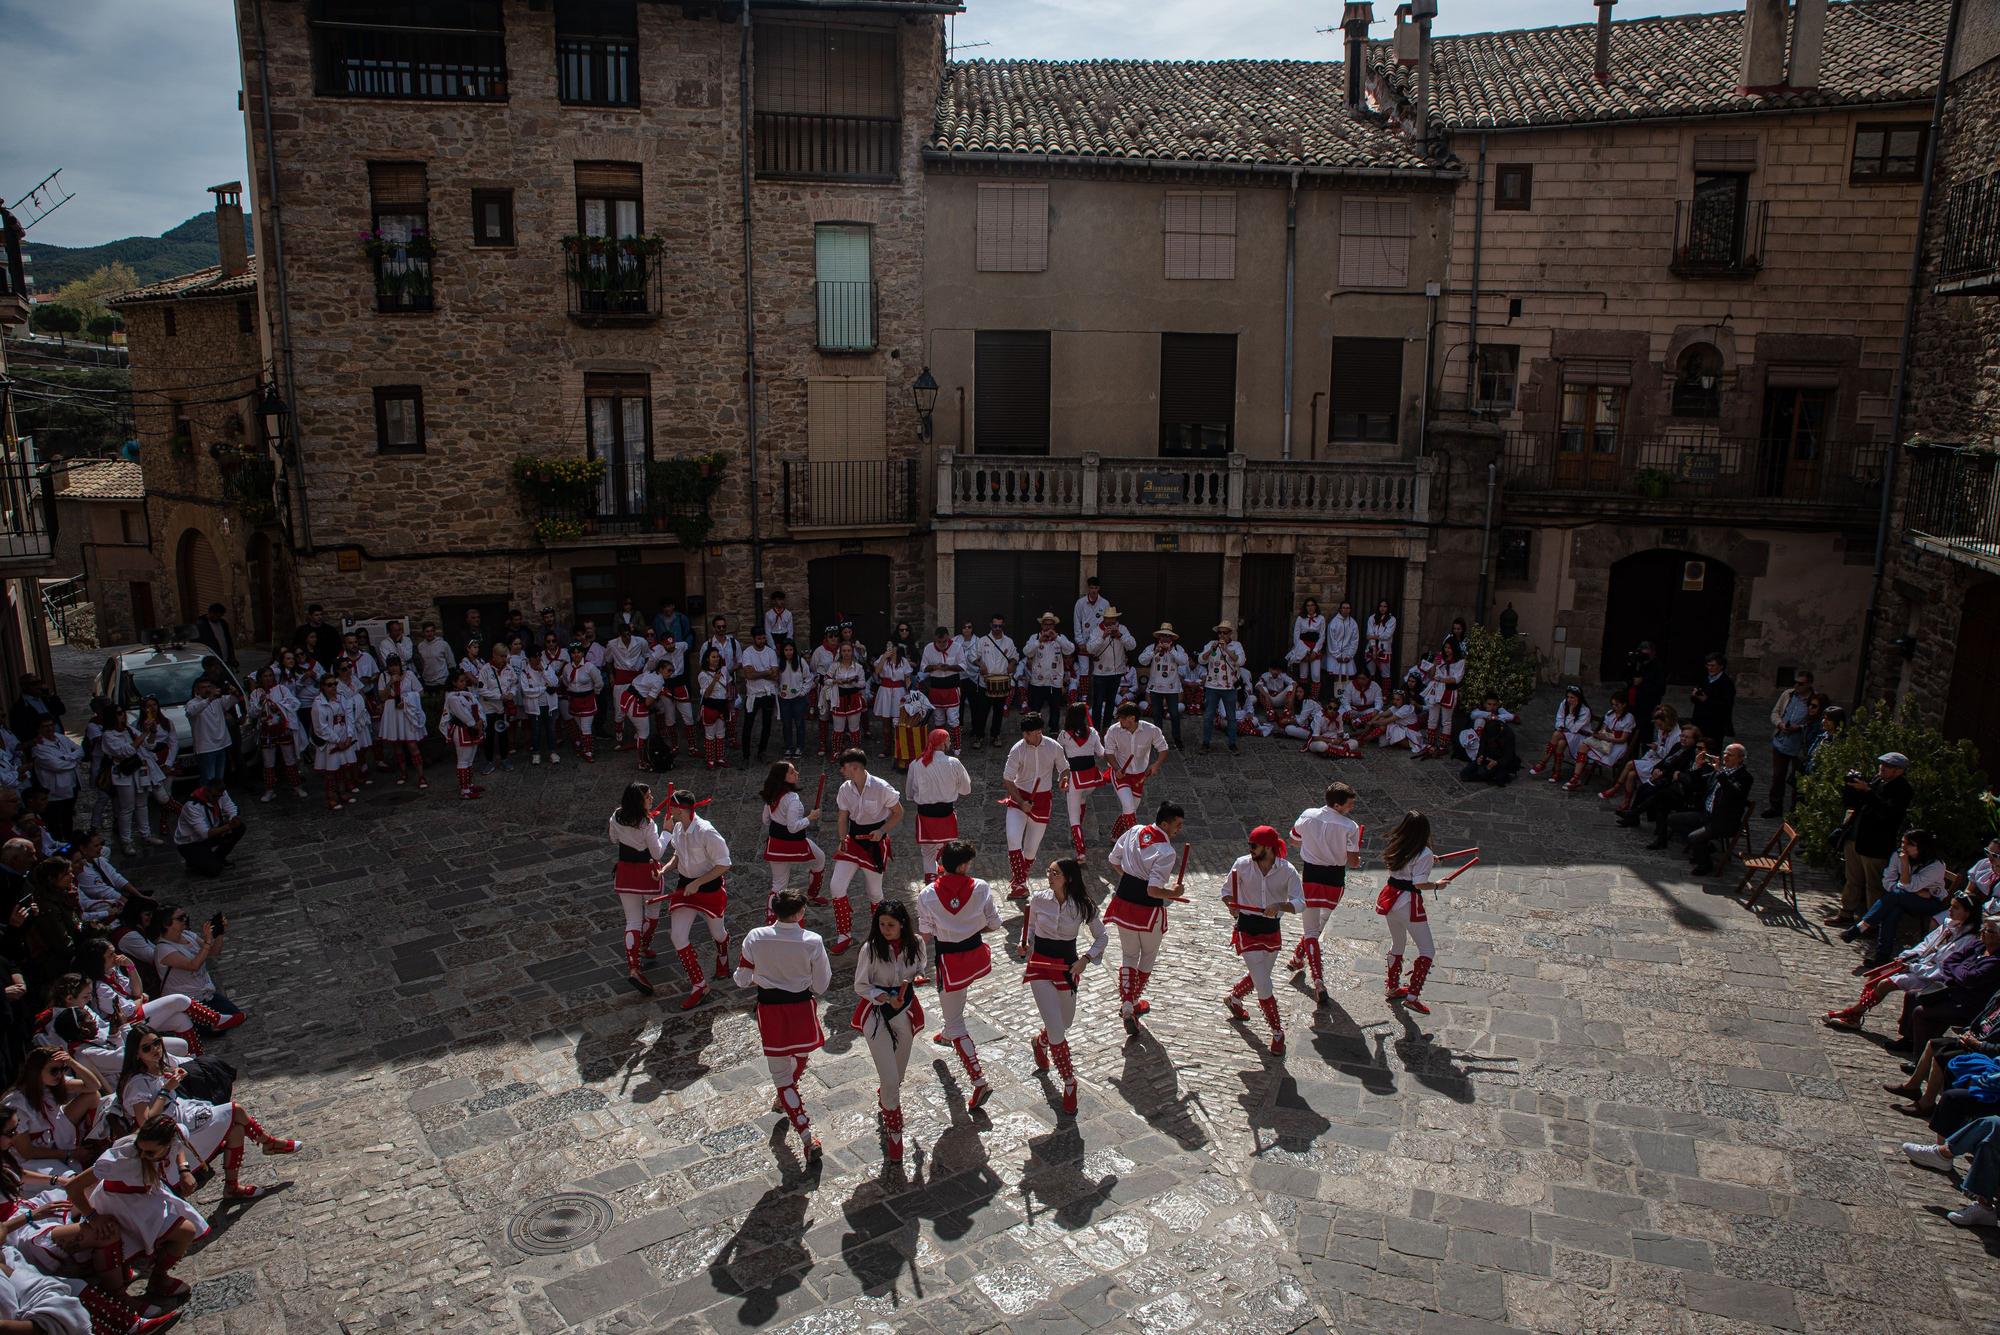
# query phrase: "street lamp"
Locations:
[[925, 391], [274, 411]]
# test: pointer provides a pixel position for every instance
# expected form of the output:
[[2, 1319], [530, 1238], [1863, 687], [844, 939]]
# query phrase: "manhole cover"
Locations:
[[559, 1223]]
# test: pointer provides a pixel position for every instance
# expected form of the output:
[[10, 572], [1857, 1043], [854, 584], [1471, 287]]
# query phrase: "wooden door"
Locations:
[[1589, 444], [852, 588], [1019, 586], [1266, 606], [1794, 441], [1681, 601], [200, 575], [1972, 708], [1150, 587], [1370, 579]]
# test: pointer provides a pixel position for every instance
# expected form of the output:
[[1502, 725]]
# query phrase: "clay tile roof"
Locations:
[[1686, 65], [207, 282], [109, 480], [1219, 113]]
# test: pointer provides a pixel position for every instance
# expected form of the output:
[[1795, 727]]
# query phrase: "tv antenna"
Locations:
[[47, 196]]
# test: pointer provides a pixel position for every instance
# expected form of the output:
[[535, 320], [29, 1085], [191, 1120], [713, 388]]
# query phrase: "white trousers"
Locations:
[[169, 1013], [1058, 1008], [847, 723], [1440, 717], [1023, 833], [843, 872], [1398, 735], [466, 755], [637, 911], [717, 730], [1295, 732], [952, 1005], [891, 1060], [1075, 799], [1310, 668], [1139, 950], [781, 872], [1400, 925], [1128, 799], [1312, 922], [680, 925], [1257, 964]]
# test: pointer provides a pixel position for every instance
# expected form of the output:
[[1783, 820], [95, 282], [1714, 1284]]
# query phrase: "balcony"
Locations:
[[613, 280], [27, 514], [851, 494], [1227, 490], [1780, 481], [1953, 505], [597, 71], [403, 283], [1718, 239], [1968, 261], [828, 148], [630, 498], [463, 62], [847, 318]]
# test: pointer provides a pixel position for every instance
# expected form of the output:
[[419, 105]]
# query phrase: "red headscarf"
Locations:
[[936, 740], [1267, 837]]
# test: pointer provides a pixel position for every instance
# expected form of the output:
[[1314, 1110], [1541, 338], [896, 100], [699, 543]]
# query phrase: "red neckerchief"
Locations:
[[954, 891], [1150, 835], [113, 978], [1080, 737]]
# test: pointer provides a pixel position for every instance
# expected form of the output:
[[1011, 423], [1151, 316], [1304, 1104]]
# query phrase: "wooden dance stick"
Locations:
[[1441, 857], [1464, 868]]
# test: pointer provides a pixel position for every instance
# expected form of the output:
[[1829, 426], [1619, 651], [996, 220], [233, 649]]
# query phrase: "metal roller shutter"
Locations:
[[1149, 587], [1020, 586], [1370, 579], [1367, 389], [1010, 391], [1197, 393], [201, 576]]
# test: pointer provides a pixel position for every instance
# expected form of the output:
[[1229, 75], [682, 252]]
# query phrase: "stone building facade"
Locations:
[[578, 174], [1934, 639], [1674, 315], [102, 536]]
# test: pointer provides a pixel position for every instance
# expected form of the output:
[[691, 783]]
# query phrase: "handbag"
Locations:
[[1977, 1074]]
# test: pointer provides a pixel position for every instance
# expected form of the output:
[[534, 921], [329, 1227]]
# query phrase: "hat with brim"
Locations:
[[1229, 626], [1895, 758], [1049, 619], [1108, 614], [1167, 629]]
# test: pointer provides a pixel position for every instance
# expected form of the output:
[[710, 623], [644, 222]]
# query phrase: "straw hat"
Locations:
[[1108, 614], [1229, 626], [1049, 619], [1167, 629]]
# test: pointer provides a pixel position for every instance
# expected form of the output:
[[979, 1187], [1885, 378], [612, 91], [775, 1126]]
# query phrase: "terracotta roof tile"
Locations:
[[1685, 65], [1220, 113], [107, 480], [207, 282]]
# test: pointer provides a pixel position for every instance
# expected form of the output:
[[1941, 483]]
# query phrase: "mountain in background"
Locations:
[[177, 250]]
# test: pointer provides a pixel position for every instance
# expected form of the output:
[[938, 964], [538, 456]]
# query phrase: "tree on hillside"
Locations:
[[102, 326], [77, 413], [88, 295], [53, 317]]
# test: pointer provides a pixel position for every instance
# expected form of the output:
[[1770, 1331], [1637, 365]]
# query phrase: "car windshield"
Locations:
[[172, 683]]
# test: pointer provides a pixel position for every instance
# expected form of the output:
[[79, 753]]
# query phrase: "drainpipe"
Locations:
[[1291, 299], [749, 309], [1472, 335], [1902, 400], [1486, 542], [275, 273]]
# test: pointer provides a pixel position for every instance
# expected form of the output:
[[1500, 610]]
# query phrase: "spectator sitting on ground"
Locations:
[[1496, 757], [181, 957], [1915, 971], [101, 889], [209, 827], [52, 1110]]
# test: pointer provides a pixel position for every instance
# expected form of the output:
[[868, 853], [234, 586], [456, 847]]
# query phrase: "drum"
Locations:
[[999, 685]]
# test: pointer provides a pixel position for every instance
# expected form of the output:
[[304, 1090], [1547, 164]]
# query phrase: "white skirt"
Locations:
[[325, 758], [398, 727], [206, 1125], [888, 701], [144, 1217]]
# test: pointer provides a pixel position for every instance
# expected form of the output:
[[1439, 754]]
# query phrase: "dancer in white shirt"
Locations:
[[402, 721], [1083, 751], [1308, 652], [1381, 647], [1441, 698], [943, 680], [581, 681], [1330, 843], [637, 703], [933, 786], [1035, 769], [700, 866], [952, 912], [1148, 881], [786, 821], [788, 967], [870, 810], [642, 851], [1259, 890], [463, 724], [888, 1012], [1054, 919], [1410, 862], [626, 657], [1134, 750]]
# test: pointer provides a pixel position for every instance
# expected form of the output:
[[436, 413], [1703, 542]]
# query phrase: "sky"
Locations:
[[136, 99]]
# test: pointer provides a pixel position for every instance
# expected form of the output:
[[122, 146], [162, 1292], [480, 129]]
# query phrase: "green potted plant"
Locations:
[[1654, 484]]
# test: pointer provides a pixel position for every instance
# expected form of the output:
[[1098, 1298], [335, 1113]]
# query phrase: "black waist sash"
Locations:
[[1319, 874], [778, 996], [1132, 889], [935, 810], [957, 947], [777, 831], [1085, 762], [1056, 949], [1403, 883], [1255, 924], [855, 827], [627, 853]]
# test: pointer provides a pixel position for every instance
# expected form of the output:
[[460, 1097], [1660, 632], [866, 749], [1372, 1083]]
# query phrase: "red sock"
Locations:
[[1311, 946], [1395, 972], [722, 958], [843, 916], [813, 886], [968, 1057], [201, 1014], [1242, 988], [1060, 1051], [1418, 972], [1076, 840], [691, 961], [232, 1164], [1269, 1005], [794, 1107], [1017, 866]]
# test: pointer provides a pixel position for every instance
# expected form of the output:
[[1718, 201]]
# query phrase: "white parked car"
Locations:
[[167, 672]]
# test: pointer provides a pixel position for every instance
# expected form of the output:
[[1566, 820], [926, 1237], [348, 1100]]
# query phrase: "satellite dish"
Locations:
[[129, 450]]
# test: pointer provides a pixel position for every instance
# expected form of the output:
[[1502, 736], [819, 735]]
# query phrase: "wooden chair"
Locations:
[[1774, 861]]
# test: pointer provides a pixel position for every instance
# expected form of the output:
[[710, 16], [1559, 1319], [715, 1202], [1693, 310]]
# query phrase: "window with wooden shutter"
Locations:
[[1201, 234], [846, 418], [398, 185], [1725, 153], [1374, 242], [1013, 229], [1197, 393], [1010, 391], [828, 102], [1366, 403]]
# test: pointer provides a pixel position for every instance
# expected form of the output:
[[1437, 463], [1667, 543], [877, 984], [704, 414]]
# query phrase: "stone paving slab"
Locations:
[[1620, 1117]]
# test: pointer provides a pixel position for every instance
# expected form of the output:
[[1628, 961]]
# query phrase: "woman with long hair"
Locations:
[[116, 992], [892, 678], [1913, 882], [1917, 971], [1441, 698], [132, 1182], [786, 821], [1055, 917], [1083, 748], [1308, 652], [1571, 727], [715, 684], [888, 1012], [1381, 647], [148, 1087], [1410, 861], [1639, 769], [333, 743], [54, 1101], [160, 746], [847, 681], [795, 684], [636, 876], [1605, 747]]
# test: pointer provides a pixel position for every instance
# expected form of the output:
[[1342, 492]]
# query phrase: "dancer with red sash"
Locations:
[[1144, 861], [788, 966], [700, 865], [870, 810], [626, 655], [1035, 768], [888, 1012], [952, 912], [934, 784], [1410, 862], [1134, 750], [642, 851], [1083, 749], [944, 668], [1330, 843], [786, 821], [1054, 919], [581, 681], [1262, 887]]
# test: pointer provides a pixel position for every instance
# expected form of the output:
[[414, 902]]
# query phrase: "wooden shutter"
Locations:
[[1011, 391], [1198, 381], [1013, 229], [609, 179], [1367, 382], [394, 184], [846, 418], [1200, 234], [1374, 242], [1726, 153]]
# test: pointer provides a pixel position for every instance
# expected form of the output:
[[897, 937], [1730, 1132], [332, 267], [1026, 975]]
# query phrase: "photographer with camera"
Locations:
[[182, 959], [1869, 832], [208, 828], [1725, 798]]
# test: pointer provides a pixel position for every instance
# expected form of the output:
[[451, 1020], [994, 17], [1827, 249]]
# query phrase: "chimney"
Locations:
[[1763, 63], [1808, 40], [1603, 69], [1423, 11], [229, 228], [1354, 20], [1404, 43]]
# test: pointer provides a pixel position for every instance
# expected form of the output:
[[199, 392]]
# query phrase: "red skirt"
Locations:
[[869, 855], [464, 736], [789, 1027], [1245, 942], [1324, 894], [1124, 913], [1048, 969], [915, 1010], [786, 850], [710, 903], [1385, 903], [710, 714], [582, 704], [849, 703], [1039, 805], [633, 705], [637, 878], [959, 969], [1086, 779], [677, 690], [944, 697], [1133, 783], [937, 829], [623, 676]]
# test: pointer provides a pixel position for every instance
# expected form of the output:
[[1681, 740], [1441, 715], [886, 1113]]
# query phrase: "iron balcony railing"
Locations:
[[1691, 466], [835, 148], [629, 499], [406, 61], [1954, 501], [27, 511], [847, 318], [1711, 241], [403, 283], [1969, 235], [612, 279], [1234, 488], [851, 493]]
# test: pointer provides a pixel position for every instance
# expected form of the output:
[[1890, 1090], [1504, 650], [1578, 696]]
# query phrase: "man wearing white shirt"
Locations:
[[789, 968], [778, 620], [625, 659], [1048, 657], [993, 657], [1134, 750], [1260, 888], [1036, 767], [870, 810], [397, 644], [1164, 665], [208, 712], [942, 674], [1084, 620], [208, 828], [1330, 844], [758, 667], [1221, 662], [1148, 880], [1111, 647]]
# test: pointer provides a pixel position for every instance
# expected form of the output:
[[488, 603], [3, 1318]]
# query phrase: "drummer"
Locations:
[[994, 658]]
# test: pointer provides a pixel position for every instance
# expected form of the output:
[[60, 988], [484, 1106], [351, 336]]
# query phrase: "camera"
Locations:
[[218, 924]]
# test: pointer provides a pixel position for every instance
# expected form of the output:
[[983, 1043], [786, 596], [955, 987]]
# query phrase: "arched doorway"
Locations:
[[1972, 709], [259, 566], [200, 575], [1681, 601], [851, 588]]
